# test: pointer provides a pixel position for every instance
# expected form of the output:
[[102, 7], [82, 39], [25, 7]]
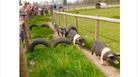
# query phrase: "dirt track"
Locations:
[[109, 71]]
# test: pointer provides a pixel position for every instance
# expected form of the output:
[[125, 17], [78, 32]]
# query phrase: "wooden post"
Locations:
[[97, 30], [76, 22], [23, 62], [53, 17], [65, 18], [58, 19], [27, 35]]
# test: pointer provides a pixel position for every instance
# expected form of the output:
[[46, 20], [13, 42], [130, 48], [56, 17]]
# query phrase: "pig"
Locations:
[[104, 52]]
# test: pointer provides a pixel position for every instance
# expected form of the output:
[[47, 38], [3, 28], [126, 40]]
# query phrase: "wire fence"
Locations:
[[92, 27]]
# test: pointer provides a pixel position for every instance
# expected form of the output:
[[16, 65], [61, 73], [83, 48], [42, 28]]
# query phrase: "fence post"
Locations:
[[97, 30], [27, 35], [58, 19], [76, 22], [23, 62], [54, 17], [65, 19]]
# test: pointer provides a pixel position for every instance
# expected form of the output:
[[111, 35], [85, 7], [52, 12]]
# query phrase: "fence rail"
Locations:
[[76, 16], [90, 17]]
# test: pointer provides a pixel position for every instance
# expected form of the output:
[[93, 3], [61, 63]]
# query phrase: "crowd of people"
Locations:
[[33, 9], [36, 9], [27, 10]]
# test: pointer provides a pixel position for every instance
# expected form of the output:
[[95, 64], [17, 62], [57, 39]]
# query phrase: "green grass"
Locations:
[[39, 20], [110, 12], [109, 32], [62, 61], [41, 32]]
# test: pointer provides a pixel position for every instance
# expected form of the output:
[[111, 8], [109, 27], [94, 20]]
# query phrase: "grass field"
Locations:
[[67, 60], [110, 12], [62, 61], [109, 32]]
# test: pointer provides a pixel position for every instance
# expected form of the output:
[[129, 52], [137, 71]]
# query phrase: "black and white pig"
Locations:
[[68, 29], [105, 53], [60, 31], [75, 38]]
